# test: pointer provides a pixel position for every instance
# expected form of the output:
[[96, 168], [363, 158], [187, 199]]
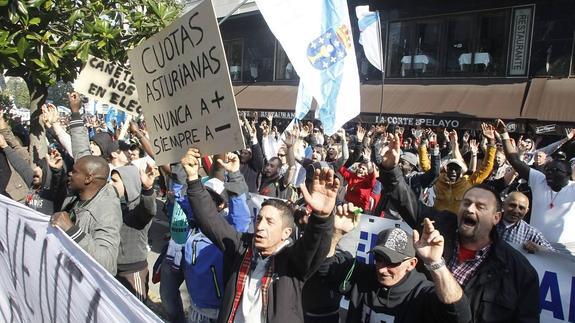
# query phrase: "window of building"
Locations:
[[259, 57], [284, 70], [473, 44], [234, 55]]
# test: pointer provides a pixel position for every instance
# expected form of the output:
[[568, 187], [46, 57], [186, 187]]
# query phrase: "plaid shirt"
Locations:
[[520, 232], [465, 270]]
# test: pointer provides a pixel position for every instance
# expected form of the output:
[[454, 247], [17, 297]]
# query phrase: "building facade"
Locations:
[[446, 62]]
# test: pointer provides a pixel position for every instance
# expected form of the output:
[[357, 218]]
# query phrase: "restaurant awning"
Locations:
[[453, 100], [550, 100]]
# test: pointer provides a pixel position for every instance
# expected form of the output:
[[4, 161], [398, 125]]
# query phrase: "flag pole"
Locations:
[[232, 12]]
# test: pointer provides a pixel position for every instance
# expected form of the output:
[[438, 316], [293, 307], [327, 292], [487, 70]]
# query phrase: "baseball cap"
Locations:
[[394, 245], [457, 162]]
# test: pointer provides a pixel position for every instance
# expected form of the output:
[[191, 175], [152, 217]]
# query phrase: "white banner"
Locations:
[[556, 271], [107, 82], [46, 277], [185, 88]]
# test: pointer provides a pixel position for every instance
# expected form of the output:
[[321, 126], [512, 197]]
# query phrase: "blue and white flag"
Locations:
[[316, 36], [370, 35]]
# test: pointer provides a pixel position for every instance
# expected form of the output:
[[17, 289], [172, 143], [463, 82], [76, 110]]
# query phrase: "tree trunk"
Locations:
[[38, 147]]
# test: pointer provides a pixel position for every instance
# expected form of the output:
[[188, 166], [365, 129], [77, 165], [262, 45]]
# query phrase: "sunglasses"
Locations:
[[384, 261], [281, 155]]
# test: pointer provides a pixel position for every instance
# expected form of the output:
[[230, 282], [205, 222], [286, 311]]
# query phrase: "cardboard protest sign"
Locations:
[[107, 82], [185, 89]]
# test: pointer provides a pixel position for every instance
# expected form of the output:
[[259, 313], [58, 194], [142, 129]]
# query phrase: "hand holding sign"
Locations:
[[191, 163], [185, 88], [233, 163]]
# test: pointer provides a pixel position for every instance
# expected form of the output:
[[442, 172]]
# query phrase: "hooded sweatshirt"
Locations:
[[413, 299], [138, 209]]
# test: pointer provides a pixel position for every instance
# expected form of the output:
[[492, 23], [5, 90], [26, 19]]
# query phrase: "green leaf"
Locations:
[[39, 63], [34, 36], [34, 21], [22, 47], [13, 61], [53, 59], [22, 8]]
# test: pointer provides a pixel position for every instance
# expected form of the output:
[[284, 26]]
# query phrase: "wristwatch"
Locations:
[[435, 265]]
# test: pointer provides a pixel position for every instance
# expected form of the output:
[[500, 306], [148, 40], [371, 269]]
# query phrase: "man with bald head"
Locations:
[[513, 229], [92, 216]]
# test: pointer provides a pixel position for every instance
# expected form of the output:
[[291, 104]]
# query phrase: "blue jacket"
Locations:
[[203, 261]]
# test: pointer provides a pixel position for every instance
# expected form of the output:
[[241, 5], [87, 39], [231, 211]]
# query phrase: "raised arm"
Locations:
[[489, 159], [312, 248], [78, 133], [239, 215], [429, 248], [397, 190], [511, 153], [20, 165], [216, 228], [553, 147], [290, 140]]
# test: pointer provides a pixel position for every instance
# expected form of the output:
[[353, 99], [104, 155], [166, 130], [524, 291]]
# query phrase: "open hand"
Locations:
[[323, 191]]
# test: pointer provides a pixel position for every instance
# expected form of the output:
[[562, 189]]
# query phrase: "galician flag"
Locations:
[[316, 35], [370, 35]]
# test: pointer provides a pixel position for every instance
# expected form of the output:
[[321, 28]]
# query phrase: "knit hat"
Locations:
[[410, 158], [104, 141]]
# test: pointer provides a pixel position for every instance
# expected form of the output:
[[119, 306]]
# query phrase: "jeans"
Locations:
[[170, 292]]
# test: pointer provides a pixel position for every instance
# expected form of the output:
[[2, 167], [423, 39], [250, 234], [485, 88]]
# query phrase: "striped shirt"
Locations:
[[520, 232]]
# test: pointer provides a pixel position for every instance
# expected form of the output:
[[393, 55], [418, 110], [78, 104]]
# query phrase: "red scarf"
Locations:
[[243, 276]]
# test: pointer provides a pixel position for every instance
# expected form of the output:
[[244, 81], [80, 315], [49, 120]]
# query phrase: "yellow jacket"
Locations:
[[448, 195]]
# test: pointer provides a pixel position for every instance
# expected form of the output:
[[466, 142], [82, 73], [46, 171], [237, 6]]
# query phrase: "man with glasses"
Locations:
[[391, 290], [553, 211]]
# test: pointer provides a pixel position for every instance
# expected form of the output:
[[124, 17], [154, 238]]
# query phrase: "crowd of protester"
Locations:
[[467, 195]]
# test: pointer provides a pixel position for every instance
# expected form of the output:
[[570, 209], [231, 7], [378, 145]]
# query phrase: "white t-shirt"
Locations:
[[553, 213]]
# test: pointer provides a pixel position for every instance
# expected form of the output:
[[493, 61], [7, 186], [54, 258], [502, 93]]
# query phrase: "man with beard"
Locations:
[[45, 182], [273, 184], [553, 211], [513, 229], [92, 217], [499, 282]]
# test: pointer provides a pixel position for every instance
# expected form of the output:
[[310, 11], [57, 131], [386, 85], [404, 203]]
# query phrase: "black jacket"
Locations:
[[505, 287], [413, 299], [251, 170], [293, 264]]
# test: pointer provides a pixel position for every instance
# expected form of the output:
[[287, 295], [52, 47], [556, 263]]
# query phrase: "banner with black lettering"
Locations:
[[185, 87], [107, 82], [46, 277], [556, 271]]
